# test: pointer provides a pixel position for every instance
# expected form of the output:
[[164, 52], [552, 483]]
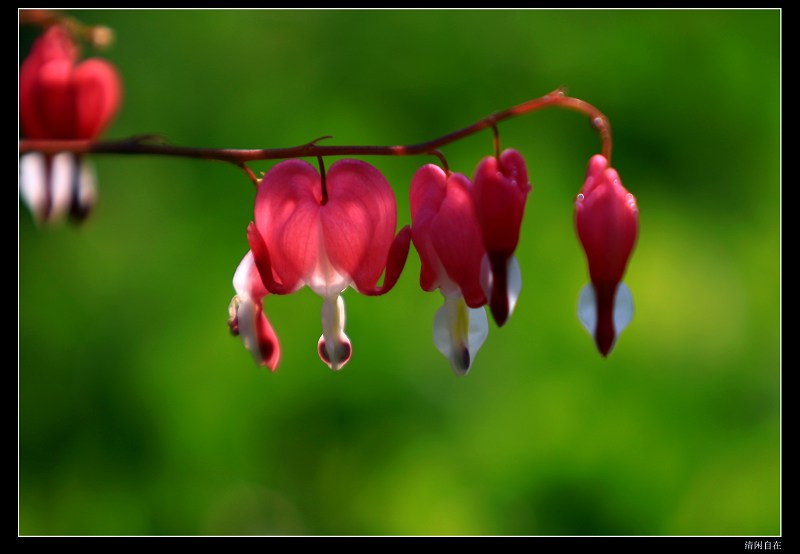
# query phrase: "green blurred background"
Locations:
[[140, 414]]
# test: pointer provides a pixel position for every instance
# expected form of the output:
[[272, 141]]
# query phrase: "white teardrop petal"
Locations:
[[242, 275], [459, 332], [332, 316], [87, 186], [587, 308], [33, 184], [327, 281], [441, 331], [248, 329], [486, 276], [334, 341], [478, 330], [63, 180], [514, 283], [623, 308]]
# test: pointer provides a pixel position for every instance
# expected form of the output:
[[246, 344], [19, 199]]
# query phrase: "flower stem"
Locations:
[[239, 157]]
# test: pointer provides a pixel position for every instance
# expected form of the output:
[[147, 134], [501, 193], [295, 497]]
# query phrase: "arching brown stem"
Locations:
[[239, 157]]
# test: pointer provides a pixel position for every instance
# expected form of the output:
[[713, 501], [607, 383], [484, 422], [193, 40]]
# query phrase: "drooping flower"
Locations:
[[328, 234], [60, 99], [246, 316], [607, 221], [500, 189], [447, 237]]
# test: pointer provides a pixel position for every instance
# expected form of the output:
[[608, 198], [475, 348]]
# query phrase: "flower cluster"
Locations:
[[466, 232], [61, 99], [337, 229]]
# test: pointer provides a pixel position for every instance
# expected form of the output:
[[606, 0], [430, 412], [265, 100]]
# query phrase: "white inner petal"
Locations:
[[333, 319], [248, 329], [326, 280], [240, 278], [486, 276], [623, 308], [587, 308], [478, 330], [63, 180], [514, 283], [33, 184], [459, 332], [87, 185]]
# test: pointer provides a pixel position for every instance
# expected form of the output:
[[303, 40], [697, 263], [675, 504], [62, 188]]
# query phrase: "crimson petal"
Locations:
[[396, 260], [500, 189], [457, 239], [607, 221], [97, 93], [247, 318], [428, 190], [262, 262], [287, 219], [446, 233], [358, 225]]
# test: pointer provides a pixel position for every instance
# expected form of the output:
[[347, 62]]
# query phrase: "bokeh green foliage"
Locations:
[[139, 414]]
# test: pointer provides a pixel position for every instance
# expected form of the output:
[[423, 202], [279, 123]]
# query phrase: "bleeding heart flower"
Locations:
[[607, 221], [246, 316], [447, 237], [61, 99], [328, 234], [500, 189]]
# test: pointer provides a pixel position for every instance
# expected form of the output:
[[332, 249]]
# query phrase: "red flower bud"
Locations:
[[500, 189], [607, 220]]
